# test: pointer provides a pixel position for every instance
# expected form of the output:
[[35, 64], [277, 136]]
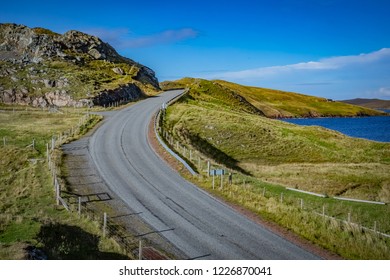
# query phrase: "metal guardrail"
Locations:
[[359, 200], [306, 192], [170, 151]]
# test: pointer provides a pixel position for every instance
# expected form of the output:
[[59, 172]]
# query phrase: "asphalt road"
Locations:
[[199, 225]]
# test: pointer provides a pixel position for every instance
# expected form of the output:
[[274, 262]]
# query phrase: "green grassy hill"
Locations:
[[226, 123], [222, 124], [268, 102]]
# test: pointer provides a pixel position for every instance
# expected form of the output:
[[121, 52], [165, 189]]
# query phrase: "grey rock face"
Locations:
[[26, 48]]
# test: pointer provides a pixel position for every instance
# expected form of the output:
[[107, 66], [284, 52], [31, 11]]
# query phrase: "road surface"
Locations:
[[199, 225]]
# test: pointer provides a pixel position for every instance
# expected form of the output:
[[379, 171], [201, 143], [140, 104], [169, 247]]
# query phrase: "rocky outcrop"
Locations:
[[59, 98], [28, 74], [128, 92]]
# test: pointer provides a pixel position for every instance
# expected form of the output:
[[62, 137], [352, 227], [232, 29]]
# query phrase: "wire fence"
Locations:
[[132, 246], [235, 186]]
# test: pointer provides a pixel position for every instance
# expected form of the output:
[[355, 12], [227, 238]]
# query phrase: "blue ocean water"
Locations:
[[372, 128]]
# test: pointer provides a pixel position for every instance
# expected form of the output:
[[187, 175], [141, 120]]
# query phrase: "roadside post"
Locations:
[[212, 173]]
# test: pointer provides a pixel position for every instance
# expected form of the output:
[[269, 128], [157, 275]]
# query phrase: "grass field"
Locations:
[[308, 158], [277, 154], [268, 102], [28, 213]]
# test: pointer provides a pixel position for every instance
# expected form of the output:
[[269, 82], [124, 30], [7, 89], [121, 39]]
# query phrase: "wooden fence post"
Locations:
[[104, 224], [52, 143], [79, 206], [140, 250], [47, 152], [57, 186]]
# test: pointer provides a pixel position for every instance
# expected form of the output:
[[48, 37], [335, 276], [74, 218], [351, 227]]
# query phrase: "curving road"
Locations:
[[199, 225]]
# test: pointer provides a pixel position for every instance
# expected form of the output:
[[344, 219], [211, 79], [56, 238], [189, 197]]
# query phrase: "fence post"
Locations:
[[104, 224], [4, 141], [208, 168], [264, 192], [79, 209], [375, 226], [47, 152], [57, 186], [323, 211], [190, 155], [349, 217], [301, 203], [140, 250], [52, 143]]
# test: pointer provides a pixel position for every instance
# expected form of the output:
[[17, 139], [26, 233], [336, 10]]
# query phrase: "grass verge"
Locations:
[[28, 214], [277, 154]]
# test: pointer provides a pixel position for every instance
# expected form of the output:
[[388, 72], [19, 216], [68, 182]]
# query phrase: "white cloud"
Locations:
[[341, 77], [323, 64], [122, 38], [384, 91]]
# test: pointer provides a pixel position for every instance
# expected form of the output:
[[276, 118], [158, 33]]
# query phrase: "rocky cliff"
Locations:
[[39, 67]]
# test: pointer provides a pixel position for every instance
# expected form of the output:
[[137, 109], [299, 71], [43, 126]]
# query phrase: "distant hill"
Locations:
[[268, 102], [369, 103], [41, 68]]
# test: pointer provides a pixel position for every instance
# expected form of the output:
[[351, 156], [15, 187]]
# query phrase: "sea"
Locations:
[[371, 128]]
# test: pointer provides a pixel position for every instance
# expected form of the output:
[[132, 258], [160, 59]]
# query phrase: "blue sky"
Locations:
[[335, 49]]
